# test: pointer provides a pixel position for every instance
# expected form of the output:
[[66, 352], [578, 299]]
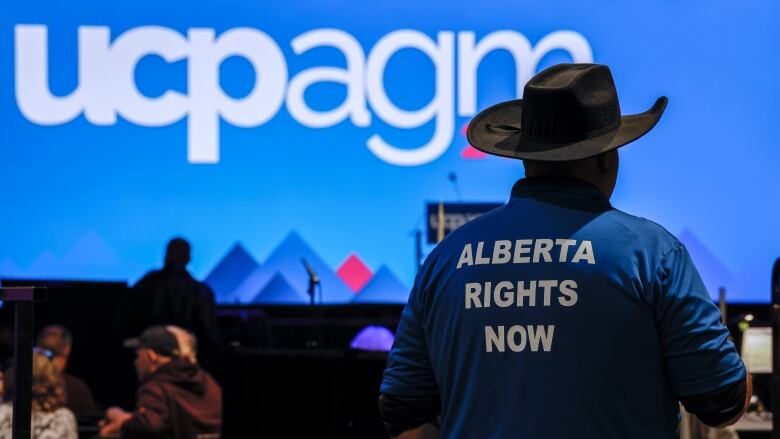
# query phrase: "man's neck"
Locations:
[[598, 181]]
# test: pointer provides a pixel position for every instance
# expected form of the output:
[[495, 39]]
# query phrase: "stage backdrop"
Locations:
[[265, 132]]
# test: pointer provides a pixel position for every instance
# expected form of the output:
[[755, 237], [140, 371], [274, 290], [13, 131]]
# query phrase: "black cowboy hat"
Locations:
[[568, 112]]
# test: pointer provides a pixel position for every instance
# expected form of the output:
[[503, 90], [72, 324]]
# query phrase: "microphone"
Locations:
[[313, 278], [453, 178]]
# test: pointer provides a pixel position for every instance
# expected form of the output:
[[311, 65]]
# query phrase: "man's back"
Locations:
[[559, 316], [171, 296], [78, 397], [180, 400]]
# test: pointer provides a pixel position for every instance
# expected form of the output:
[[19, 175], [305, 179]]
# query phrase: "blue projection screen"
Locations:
[[265, 132]]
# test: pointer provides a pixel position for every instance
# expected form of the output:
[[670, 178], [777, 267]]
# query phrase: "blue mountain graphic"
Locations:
[[9, 269], [384, 287], [712, 271], [91, 258], [286, 260], [234, 268], [279, 291], [248, 290], [44, 266]]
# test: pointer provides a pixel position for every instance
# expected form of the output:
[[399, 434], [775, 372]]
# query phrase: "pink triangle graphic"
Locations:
[[471, 153]]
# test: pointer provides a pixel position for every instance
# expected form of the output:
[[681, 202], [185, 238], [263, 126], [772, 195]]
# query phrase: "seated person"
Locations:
[[176, 397], [50, 417], [78, 398]]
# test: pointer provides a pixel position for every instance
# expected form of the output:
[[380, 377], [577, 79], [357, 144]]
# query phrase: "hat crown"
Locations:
[[160, 340], [570, 102]]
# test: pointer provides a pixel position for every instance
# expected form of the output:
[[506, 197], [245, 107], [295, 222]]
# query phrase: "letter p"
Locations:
[[208, 102]]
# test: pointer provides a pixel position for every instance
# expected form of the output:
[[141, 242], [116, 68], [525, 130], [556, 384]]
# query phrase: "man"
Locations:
[[558, 315], [171, 296], [78, 397], [176, 399]]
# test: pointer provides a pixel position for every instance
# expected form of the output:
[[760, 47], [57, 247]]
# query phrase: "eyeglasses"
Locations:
[[45, 352]]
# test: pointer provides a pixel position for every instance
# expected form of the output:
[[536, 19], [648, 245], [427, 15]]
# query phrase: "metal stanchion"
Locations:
[[776, 350], [22, 298]]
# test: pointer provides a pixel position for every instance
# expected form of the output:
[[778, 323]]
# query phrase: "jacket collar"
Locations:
[[554, 187]]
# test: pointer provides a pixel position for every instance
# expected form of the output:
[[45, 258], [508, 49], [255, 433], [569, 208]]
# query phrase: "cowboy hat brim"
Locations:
[[483, 135]]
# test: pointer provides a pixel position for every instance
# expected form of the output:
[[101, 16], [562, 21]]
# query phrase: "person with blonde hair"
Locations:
[[78, 397], [50, 418]]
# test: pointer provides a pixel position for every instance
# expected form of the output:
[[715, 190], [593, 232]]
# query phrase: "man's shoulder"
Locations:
[[154, 385], [463, 234], [74, 383], [612, 219], [476, 225], [642, 228], [73, 379], [150, 277]]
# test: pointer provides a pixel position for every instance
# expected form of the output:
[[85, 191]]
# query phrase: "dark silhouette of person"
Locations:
[[171, 296]]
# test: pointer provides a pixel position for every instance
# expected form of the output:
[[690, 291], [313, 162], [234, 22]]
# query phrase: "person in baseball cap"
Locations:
[[157, 339], [176, 397]]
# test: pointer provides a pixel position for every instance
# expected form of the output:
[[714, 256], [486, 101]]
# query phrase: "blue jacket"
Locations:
[[558, 316]]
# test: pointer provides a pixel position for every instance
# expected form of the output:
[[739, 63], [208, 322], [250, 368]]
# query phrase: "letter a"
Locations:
[[584, 252], [466, 257]]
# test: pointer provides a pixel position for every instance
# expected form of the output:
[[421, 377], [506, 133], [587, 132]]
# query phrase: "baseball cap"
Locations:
[[156, 338]]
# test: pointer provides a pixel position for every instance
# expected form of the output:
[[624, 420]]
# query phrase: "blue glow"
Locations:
[[98, 200]]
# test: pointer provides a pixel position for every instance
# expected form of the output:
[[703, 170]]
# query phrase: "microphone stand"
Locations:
[[316, 327]]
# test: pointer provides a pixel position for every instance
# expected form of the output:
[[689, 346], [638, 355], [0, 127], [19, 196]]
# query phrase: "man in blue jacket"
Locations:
[[557, 315]]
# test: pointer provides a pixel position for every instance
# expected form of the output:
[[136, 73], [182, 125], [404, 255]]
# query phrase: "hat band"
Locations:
[[512, 129], [571, 139]]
